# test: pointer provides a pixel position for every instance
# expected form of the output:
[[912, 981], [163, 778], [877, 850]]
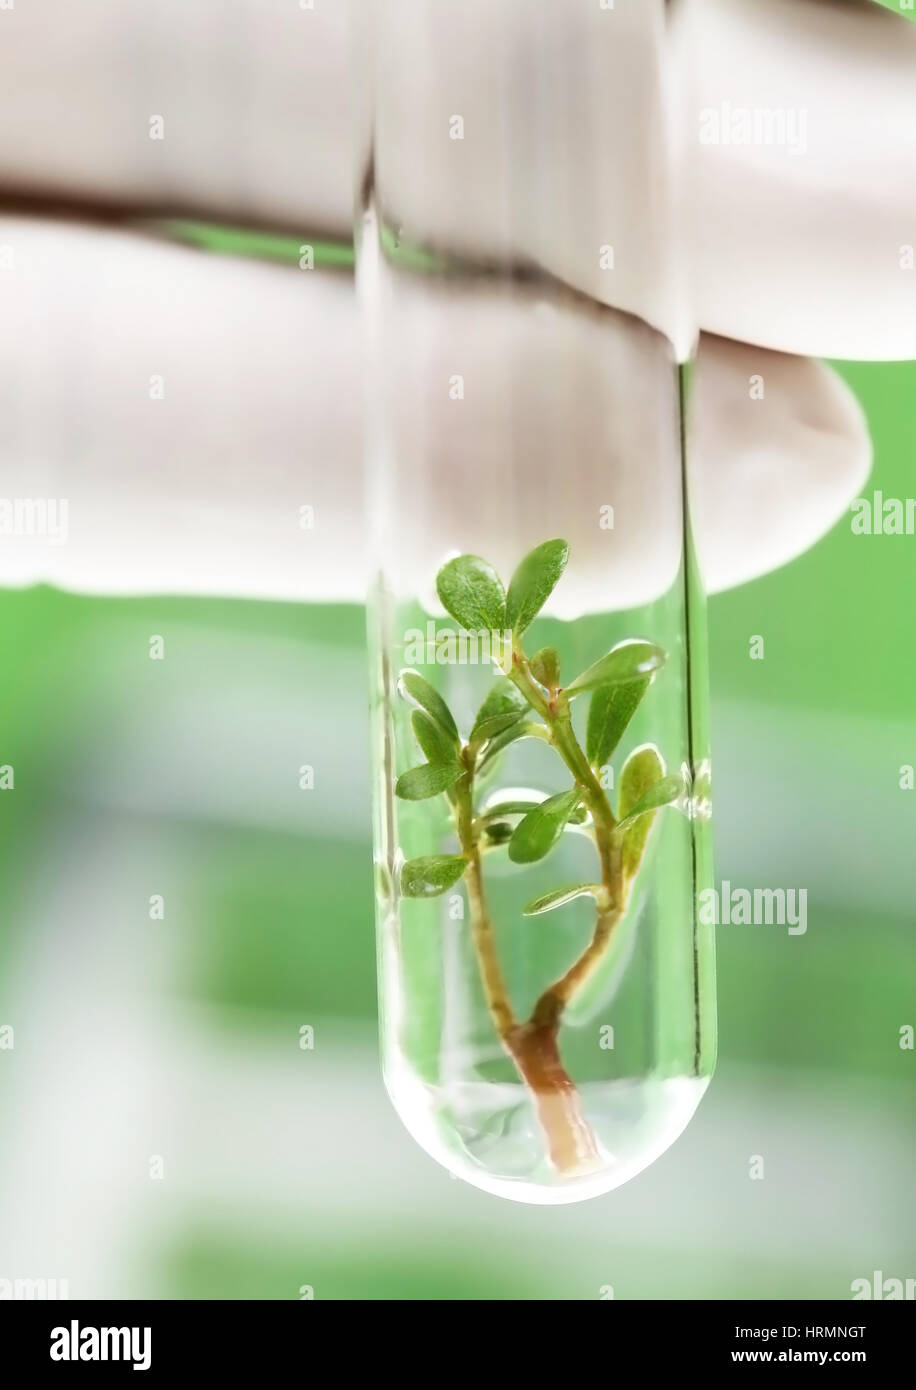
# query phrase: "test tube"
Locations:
[[536, 622]]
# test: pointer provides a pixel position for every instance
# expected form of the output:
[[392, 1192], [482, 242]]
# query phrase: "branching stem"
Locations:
[[494, 984], [533, 1046], [554, 710]]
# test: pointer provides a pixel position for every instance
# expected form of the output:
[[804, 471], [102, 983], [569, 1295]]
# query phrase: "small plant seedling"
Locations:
[[531, 702]]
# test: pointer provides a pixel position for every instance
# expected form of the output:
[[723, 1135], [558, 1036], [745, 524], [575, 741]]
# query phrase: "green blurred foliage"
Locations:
[[284, 924], [208, 1264]]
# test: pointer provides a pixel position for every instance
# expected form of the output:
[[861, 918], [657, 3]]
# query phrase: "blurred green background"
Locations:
[[900, 7], [285, 1168]]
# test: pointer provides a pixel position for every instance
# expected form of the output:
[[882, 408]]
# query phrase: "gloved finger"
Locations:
[[800, 189], [240, 111], [780, 447], [577, 153], [201, 417], [798, 231]]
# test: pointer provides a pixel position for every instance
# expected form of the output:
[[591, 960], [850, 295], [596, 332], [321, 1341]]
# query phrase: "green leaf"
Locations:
[[548, 901], [501, 809], [420, 783], [521, 807], [503, 706], [491, 727], [432, 738], [609, 712], [628, 661], [432, 875], [533, 583], [428, 698], [642, 770], [662, 793], [545, 667], [524, 728], [537, 834], [470, 590]]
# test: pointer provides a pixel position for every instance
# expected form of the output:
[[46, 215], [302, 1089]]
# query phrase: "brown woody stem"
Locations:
[[571, 1145], [484, 938], [534, 1046]]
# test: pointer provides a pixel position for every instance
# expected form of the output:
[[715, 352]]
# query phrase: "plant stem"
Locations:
[[555, 713], [550, 1006], [533, 1048], [494, 985], [571, 1144]]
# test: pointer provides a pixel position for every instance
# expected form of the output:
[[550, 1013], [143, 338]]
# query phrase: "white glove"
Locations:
[[201, 491]]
